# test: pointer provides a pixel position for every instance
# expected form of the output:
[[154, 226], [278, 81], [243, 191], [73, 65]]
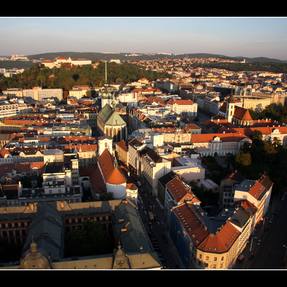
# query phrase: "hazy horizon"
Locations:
[[246, 37]]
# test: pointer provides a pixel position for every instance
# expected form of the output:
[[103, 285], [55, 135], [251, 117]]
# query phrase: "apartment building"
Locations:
[[183, 107], [257, 192], [40, 94], [153, 167], [216, 242]]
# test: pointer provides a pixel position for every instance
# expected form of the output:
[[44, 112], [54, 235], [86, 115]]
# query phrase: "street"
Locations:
[[157, 229], [269, 243]]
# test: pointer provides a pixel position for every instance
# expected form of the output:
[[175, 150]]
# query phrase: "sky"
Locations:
[[249, 37]]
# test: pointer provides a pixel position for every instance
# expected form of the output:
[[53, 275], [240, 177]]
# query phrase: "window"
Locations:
[[200, 256], [215, 258], [207, 257], [222, 258], [214, 266]]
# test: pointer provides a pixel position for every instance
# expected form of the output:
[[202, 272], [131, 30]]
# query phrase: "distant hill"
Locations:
[[16, 64], [263, 60], [96, 56]]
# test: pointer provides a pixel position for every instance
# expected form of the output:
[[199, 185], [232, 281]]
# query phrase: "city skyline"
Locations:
[[247, 37]]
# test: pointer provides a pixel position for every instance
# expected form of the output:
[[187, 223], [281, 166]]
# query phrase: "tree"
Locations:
[[76, 77], [244, 158], [256, 135], [67, 77]]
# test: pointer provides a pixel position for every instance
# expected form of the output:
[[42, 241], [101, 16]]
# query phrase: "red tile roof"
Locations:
[[242, 114], [111, 174], [37, 165], [180, 102], [97, 182], [260, 187], [221, 241], [191, 223], [82, 147], [226, 137], [4, 152], [131, 186], [249, 207], [191, 126], [181, 192], [116, 177]]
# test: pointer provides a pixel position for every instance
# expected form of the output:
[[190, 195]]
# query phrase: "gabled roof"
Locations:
[[242, 114], [180, 192], [191, 223], [111, 174], [260, 187], [227, 137], [116, 177], [115, 120], [221, 241], [105, 113]]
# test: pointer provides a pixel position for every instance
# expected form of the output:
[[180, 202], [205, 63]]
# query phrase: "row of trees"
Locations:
[[263, 157], [273, 111], [67, 77]]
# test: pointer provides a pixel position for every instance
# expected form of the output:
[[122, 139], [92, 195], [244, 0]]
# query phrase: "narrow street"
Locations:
[[157, 229], [267, 248]]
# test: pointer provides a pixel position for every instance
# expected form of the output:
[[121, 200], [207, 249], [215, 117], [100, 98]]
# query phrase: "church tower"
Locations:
[[230, 109], [105, 142]]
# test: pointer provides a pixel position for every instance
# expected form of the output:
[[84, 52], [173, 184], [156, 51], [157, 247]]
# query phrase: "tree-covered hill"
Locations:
[[67, 77], [276, 67]]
